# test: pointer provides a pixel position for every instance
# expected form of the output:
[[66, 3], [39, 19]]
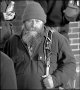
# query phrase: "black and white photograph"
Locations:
[[40, 44]]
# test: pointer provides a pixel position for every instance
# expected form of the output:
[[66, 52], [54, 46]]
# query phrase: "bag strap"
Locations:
[[48, 39], [47, 45]]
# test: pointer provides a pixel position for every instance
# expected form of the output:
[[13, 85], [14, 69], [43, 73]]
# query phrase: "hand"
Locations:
[[9, 15], [71, 12], [48, 82]]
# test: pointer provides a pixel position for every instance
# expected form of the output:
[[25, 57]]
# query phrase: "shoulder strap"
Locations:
[[49, 31], [49, 36], [48, 40]]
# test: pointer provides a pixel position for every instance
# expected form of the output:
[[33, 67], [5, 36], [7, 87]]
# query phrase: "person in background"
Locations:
[[6, 15], [72, 11], [7, 73], [60, 13], [42, 58]]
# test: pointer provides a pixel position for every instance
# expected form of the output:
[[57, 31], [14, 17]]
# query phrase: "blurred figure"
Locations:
[[60, 13], [7, 73], [72, 11], [5, 25]]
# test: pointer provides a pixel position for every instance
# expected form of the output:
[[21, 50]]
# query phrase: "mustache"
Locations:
[[33, 34]]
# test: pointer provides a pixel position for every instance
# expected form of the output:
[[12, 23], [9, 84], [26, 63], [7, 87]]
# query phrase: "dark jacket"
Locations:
[[7, 73], [6, 26], [29, 70], [54, 10]]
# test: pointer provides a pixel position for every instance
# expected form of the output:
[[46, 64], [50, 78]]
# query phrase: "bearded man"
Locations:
[[42, 58]]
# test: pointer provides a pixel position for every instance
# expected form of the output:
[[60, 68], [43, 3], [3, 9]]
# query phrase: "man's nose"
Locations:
[[33, 24]]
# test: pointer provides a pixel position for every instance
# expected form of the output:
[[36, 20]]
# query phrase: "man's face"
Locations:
[[33, 29]]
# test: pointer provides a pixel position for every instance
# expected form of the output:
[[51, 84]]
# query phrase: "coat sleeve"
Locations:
[[66, 70]]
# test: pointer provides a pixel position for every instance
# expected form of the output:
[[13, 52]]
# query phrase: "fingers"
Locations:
[[48, 82], [44, 76]]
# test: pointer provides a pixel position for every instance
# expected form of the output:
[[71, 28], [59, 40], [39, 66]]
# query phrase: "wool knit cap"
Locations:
[[34, 10]]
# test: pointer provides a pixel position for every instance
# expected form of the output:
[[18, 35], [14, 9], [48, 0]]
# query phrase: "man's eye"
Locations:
[[37, 21]]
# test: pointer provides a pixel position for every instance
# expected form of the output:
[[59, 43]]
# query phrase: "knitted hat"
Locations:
[[34, 10]]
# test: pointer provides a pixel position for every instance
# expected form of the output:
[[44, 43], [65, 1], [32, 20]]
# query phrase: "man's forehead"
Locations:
[[36, 20]]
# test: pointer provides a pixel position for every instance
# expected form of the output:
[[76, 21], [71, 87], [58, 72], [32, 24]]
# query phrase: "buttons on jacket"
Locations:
[[40, 57]]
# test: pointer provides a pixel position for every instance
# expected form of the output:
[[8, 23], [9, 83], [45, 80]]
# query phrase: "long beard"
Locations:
[[32, 40]]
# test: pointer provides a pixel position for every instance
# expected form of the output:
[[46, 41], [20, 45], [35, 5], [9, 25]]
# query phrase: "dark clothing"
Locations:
[[7, 73], [5, 33], [54, 10], [6, 26], [55, 16], [29, 70]]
